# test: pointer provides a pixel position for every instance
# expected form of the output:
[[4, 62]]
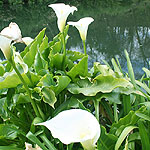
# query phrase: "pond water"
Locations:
[[114, 29]]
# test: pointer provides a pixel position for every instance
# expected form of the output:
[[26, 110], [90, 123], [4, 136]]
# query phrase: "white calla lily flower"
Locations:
[[5, 46], [62, 12], [12, 32], [75, 125], [82, 26], [9, 34], [27, 40]]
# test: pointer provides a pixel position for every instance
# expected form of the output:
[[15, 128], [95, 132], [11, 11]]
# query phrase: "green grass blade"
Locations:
[[123, 135], [144, 136], [130, 69], [35, 140], [116, 68], [119, 64], [143, 116], [10, 148], [126, 104]]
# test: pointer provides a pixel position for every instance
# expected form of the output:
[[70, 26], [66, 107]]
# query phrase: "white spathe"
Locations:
[[5, 46], [82, 26], [27, 40], [62, 12], [12, 32], [75, 125]]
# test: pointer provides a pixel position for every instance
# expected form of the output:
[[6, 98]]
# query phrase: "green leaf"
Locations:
[[144, 86], [56, 61], [134, 136], [11, 80], [80, 69], [103, 69], [116, 68], [46, 80], [2, 70], [143, 116], [39, 62], [35, 140], [30, 55], [144, 135], [130, 69], [21, 98], [10, 148], [8, 131], [62, 83], [111, 97], [49, 96], [107, 141], [104, 84], [3, 108], [44, 44], [73, 55], [126, 104], [123, 135], [129, 120], [56, 48]]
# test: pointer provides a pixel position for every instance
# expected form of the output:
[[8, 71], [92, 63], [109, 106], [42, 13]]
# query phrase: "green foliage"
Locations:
[[120, 102]]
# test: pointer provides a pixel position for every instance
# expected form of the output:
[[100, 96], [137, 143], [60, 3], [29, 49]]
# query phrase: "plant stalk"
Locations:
[[96, 105], [47, 142], [26, 88], [84, 46], [64, 51], [115, 113]]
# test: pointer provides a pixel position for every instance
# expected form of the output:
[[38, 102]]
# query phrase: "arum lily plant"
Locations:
[[75, 125], [7, 35], [12, 32], [62, 12], [5, 46], [82, 26]]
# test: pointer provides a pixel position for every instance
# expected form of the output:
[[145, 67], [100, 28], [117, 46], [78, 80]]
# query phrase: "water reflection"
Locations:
[[108, 35]]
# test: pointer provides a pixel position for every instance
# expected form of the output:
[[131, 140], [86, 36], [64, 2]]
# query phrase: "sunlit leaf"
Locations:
[[104, 84], [11, 79], [123, 135], [144, 134], [30, 55], [62, 83], [8, 131], [49, 96], [80, 69], [107, 141], [2, 70]]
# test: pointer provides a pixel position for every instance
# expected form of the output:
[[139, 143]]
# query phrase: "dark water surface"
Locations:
[[114, 29]]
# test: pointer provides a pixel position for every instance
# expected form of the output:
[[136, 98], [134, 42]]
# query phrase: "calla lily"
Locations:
[[62, 12], [9, 34], [82, 26], [75, 125], [5, 46], [12, 32], [27, 40]]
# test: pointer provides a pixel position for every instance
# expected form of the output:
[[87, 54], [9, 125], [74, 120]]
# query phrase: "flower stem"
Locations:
[[115, 113], [96, 105], [26, 88], [47, 142], [84, 45], [64, 51]]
